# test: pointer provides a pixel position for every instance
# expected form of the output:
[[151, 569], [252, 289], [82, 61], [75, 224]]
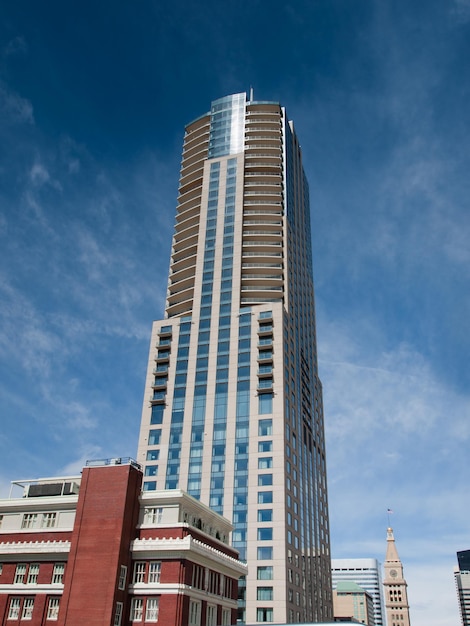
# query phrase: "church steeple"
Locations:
[[395, 587]]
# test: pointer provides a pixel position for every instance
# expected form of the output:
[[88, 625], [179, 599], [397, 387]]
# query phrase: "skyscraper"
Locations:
[[366, 573], [462, 582], [396, 594], [233, 408]]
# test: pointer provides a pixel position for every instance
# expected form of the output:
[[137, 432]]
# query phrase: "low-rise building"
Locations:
[[352, 602], [95, 550]]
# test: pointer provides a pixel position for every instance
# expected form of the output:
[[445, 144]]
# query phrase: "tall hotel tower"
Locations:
[[233, 404]]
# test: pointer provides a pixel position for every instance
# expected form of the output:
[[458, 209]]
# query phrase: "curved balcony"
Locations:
[[186, 221], [185, 244], [176, 286], [190, 178], [179, 308], [185, 265], [186, 230]]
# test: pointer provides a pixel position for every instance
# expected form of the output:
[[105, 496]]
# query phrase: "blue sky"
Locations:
[[93, 103]]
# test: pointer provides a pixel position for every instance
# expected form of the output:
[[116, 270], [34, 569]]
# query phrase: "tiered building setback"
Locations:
[[233, 410]]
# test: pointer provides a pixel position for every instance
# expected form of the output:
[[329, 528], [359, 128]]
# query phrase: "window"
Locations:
[[150, 485], [151, 610], [265, 354], [265, 314], [265, 446], [265, 368], [28, 606], [195, 613], [29, 520], [265, 341], [265, 428], [33, 574], [139, 572], [265, 497], [265, 553], [264, 593], [226, 617], [118, 614], [265, 462], [211, 615], [265, 534], [264, 572], [198, 577], [58, 573], [14, 610], [265, 515], [1, 520], [151, 470], [122, 577], [48, 520], [154, 437], [137, 607], [154, 571], [265, 480], [53, 609], [153, 515], [264, 615], [265, 403], [20, 574]]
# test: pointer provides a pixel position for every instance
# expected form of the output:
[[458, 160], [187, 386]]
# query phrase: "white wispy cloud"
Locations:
[[14, 108], [16, 46]]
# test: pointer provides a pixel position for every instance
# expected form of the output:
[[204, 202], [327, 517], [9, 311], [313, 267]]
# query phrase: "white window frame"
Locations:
[[53, 609], [29, 520], [151, 609], [155, 569], [226, 617], [154, 515], [194, 613], [20, 574], [14, 608], [137, 609], [28, 606], [211, 615], [139, 572], [118, 614], [48, 520], [58, 573], [122, 577], [33, 574]]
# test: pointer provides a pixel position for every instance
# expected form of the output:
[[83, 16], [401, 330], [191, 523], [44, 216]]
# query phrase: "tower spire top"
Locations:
[[392, 552], [395, 587]]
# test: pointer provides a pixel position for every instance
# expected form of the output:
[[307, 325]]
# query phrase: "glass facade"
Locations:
[[236, 416]]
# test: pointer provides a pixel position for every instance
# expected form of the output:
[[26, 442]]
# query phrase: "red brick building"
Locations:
[[96, 551]]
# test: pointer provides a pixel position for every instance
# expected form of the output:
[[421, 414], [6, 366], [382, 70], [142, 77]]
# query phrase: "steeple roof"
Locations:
[[392, 553]]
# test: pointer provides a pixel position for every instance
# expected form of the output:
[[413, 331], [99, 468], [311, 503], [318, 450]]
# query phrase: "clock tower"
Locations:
[[396, 597]]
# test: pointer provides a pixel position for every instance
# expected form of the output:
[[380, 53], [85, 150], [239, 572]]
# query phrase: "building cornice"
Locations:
[[169, 547], [15, 548]]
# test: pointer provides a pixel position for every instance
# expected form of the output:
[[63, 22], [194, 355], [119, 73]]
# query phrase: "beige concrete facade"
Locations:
[[233, 409]]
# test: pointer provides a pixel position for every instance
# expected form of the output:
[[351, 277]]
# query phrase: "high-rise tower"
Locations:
[[462, 583], [396, 595], [233, 405]]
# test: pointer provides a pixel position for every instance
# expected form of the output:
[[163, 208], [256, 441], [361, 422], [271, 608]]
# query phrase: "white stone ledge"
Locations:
[[169, 546], [34, 547]]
